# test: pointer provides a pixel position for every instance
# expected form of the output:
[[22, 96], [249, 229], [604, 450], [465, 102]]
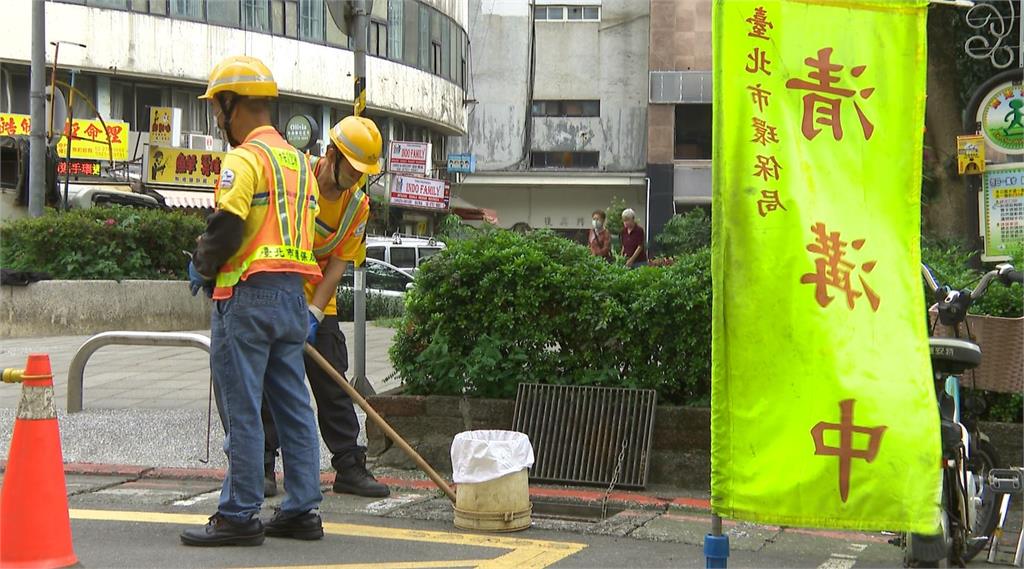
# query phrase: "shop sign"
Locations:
[[183, 167], [462, 163], [970, 154], [1001, 116], [423, 193], [90, 140], [299, 131], [1003, 207], [164, 126], [409, 158], [78, 168]]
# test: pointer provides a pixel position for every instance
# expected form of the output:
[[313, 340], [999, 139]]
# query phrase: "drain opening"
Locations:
[[586, 513]]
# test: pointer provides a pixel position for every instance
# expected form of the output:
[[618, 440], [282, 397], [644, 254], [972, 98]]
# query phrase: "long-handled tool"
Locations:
[[380, 422]]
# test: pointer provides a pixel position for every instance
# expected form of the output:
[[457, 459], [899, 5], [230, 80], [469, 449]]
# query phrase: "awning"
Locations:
[[182, 198], [555, 179]]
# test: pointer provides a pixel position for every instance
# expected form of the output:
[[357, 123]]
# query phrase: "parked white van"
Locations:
[[406, 253]]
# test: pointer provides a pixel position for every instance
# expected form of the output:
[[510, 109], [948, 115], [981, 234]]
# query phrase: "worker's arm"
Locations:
[[328, 287], [225, 229]]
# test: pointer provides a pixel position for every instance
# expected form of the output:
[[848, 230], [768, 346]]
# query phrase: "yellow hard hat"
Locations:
[[241, 74], [359, 140]]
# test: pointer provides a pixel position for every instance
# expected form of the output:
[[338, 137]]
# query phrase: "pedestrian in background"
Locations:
[[252, 260], [600, 239], [632, 240]]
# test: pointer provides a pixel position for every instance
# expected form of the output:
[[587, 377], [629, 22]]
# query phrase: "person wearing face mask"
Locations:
[[252, 260], [600, 240], [353, 154]]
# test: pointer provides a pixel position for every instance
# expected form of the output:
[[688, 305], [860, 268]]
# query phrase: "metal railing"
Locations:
[[76, 372]]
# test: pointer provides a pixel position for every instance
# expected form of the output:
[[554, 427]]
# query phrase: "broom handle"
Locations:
[[380, 422]]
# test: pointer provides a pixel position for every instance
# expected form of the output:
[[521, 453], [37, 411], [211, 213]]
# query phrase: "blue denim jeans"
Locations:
[[256, 341]]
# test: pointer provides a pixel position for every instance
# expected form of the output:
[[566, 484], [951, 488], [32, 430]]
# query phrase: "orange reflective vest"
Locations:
[[279, 229]]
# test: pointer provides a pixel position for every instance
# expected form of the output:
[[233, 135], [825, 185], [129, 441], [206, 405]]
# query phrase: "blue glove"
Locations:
[[313, 325], [196, 281]]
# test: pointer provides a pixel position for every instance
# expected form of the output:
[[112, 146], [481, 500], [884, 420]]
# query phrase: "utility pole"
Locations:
[[360, 11], [37, 95]]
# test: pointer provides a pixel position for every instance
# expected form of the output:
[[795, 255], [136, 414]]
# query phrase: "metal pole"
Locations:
[[716, 545], [71, 130], [359, 24], [37, 94]]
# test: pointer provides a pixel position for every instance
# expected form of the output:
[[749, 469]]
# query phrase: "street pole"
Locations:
[[37, 94], [71, 130], [359, 25]]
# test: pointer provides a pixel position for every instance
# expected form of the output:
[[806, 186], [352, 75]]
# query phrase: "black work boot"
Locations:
[[354, 478], [222, 531], [307, 525]]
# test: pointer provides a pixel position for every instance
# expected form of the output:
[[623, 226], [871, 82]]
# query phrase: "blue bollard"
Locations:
[[716, 551]]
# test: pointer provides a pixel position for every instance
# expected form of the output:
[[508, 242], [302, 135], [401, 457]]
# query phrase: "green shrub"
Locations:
[[101, 243], [491, 312], [685, 233]]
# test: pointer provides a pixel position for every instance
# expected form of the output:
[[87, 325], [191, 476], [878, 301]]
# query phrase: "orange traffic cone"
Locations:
[[35, 529]]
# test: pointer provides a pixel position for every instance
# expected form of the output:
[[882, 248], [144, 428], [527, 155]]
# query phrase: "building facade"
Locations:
[[557, 111], [141, 54], [679, 115]]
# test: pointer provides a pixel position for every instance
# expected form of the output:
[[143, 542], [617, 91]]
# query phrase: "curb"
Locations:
[[631, 499]]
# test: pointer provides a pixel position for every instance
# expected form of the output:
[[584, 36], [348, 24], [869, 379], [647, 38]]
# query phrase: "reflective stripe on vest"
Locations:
[[283, 241], [343, 229]]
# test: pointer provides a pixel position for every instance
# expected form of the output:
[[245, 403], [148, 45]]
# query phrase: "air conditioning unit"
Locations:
[[200, 142]]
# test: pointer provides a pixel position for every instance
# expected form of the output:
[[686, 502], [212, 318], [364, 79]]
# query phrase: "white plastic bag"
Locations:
[[481, 456]]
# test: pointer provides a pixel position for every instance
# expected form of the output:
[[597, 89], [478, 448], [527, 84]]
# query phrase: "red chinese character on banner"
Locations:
[[95, 169], [62, 167], [26, 125], [764, 132], [827, 109], [833, 270], [92, 131], [767, 166], [758, 62], [769, 202], [759, 24], [8, 126], [760, 96], [114, 134]]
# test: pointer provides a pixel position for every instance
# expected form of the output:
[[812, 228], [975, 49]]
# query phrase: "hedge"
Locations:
[[502, 308], [101, 243]]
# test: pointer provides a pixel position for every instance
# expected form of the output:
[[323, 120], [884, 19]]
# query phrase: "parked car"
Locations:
[[382, 278], [405, 253]]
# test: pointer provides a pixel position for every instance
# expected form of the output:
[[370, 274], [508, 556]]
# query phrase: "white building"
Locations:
[[148, 53]]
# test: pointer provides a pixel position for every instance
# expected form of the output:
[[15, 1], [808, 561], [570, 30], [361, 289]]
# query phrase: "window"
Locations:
[[194, 112], [223, 13], [108, 3], [140, 6], [435, 58], [566, 108], [571, 13], [158, 7], [411, 35], [403, 257], [311, 20], [395, 11], [564, 159], [693, 132], [382, 277], [425, 61], [377, 41], [188, 9], [277, 17], [428, 252], [256, 15], [146, 98], [375, 253]]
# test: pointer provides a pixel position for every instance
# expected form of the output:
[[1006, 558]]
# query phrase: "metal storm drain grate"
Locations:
[[581, 434]]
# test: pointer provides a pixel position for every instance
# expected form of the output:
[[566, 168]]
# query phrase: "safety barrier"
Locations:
[[76, 372]]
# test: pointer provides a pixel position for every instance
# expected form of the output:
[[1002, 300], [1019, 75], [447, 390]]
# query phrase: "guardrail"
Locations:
[[76, 372]]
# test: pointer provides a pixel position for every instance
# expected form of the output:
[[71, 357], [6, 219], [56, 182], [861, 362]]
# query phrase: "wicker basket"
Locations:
[[1002, 348]]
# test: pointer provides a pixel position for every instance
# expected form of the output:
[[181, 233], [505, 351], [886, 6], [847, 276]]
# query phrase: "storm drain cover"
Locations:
[[587, 435]]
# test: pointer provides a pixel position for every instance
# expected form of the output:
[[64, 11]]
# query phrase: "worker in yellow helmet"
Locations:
[[253, 259], [354, 153]]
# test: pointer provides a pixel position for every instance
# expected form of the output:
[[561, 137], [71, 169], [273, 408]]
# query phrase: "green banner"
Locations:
[[823, 408]]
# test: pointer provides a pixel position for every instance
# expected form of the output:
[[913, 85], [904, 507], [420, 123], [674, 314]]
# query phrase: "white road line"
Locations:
[[838, 563]]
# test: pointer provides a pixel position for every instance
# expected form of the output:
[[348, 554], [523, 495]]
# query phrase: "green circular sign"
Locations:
[[299, 131], [1002, 118]]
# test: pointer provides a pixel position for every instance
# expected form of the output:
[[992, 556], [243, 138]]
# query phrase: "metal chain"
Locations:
[[615, 477]]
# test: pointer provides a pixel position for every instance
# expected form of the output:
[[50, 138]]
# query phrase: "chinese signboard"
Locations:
[[164, 126], [90, 140], [78, 168], [1002, 118], [462, 163], [409, 158], [300, 131], [822, 397], [183, 167], [970, 154], [423, 193], [1003, 203]]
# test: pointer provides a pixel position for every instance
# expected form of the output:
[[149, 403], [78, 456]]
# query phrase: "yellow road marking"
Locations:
[[454, 564], [525, 554]]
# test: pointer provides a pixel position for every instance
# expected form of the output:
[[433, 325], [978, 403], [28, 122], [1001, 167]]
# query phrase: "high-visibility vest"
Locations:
[[328, 238], [279, 230]]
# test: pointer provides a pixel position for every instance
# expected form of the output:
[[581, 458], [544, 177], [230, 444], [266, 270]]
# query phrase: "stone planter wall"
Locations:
[[681, 446]]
